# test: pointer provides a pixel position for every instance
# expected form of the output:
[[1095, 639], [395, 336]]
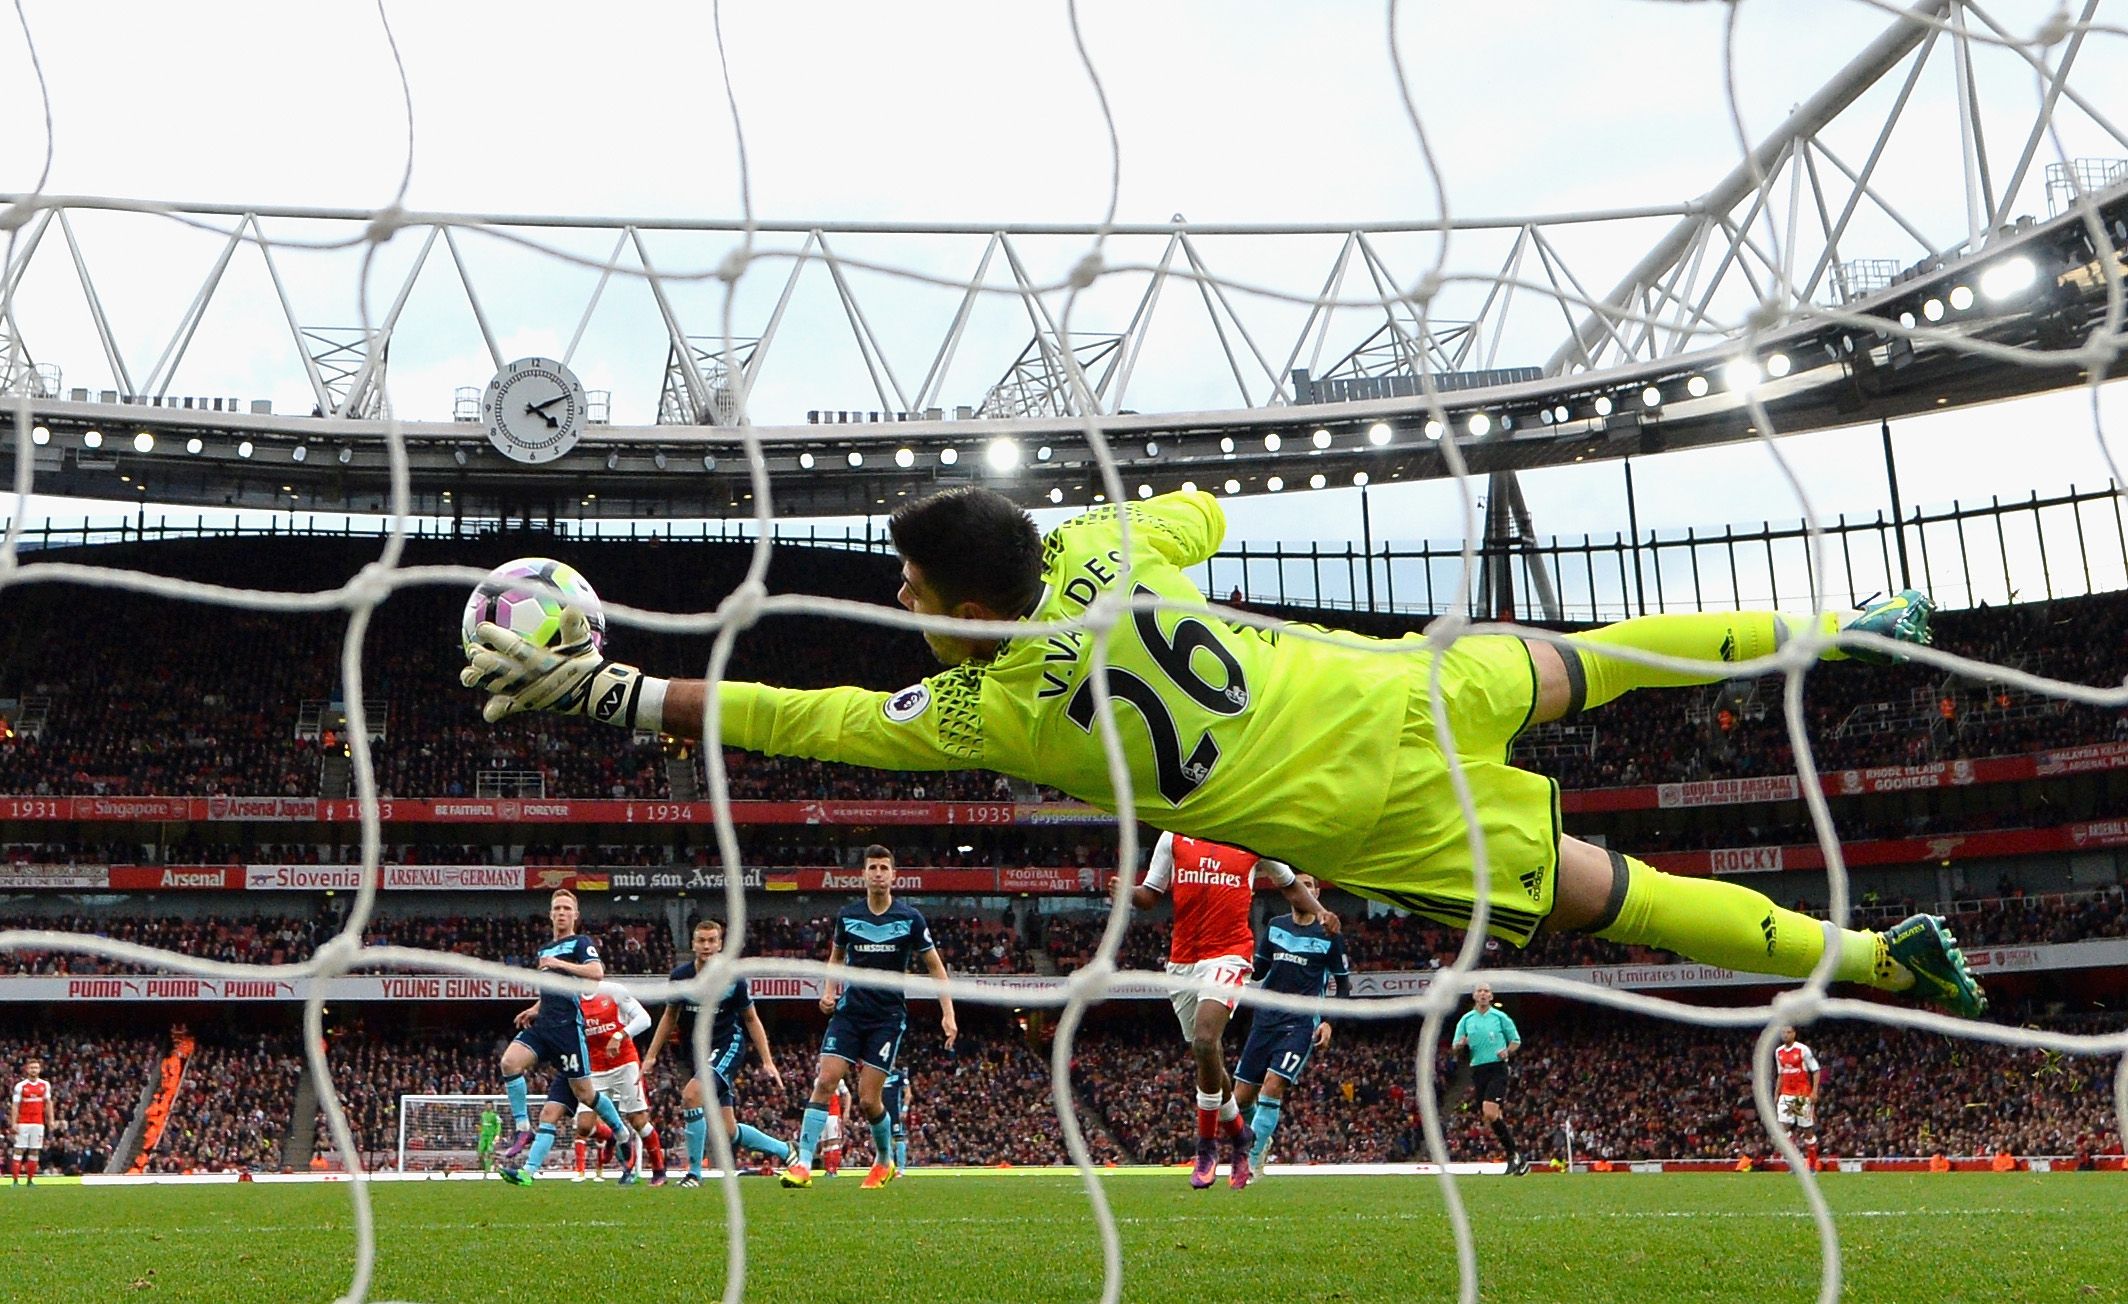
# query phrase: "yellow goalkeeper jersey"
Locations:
[[1256, 738]]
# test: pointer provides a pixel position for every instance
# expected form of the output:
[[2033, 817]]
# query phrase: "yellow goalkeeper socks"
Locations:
[[1718, 637], [1724, 924]]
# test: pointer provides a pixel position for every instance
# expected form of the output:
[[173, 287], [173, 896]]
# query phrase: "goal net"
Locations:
[[1757, 257], [443, 1132]]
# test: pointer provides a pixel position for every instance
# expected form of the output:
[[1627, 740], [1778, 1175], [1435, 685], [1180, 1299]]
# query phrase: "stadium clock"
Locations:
[[533, 410]]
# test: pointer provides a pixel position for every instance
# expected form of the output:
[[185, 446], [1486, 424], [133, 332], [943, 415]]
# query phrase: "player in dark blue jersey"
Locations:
[[1298, 957], [866, 1030], [734, 1022], [551, 1031]]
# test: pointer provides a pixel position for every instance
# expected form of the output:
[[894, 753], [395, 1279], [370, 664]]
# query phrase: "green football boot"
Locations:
[[1904, 616], [1928, 950]]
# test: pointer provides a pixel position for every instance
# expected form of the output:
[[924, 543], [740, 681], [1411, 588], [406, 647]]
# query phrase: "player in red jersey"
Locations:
[[1796, 1091], [831, 1138], [28, 1111], [613, 1019], [1213, 886]]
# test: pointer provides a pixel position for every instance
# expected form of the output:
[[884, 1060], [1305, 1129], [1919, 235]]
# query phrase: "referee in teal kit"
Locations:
[[1490, 1037]]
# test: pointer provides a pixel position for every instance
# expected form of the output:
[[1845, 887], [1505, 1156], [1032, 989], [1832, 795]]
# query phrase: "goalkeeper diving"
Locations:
[[1319, 754]]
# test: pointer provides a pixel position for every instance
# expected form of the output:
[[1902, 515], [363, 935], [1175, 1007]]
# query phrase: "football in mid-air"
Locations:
[[512, 596]]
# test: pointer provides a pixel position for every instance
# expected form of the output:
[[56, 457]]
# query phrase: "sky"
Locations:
[[955, 112]]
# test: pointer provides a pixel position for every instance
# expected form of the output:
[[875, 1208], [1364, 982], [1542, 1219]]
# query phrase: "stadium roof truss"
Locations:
[[1828, 241]]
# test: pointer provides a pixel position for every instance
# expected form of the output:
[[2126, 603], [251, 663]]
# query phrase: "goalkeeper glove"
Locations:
[[570, 678]]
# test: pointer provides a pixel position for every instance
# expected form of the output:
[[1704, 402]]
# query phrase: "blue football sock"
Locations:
[[608, 1115], [1265, 1121], [816, 1122], [883, 1139], [753, 1138], [520, 1110], [697, 1129], [901, 1152], [542, 1142]]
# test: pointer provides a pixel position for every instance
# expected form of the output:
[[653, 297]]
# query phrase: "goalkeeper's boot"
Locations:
[[1904, 617], [689, 1182], [797, 1175], [517, 1177], [879, 1176], [1239, 1170], [1206, 1169], [1517, 1166], [1928, 950]]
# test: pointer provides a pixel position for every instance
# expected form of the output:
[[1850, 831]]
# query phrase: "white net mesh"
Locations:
[[1779, 302]]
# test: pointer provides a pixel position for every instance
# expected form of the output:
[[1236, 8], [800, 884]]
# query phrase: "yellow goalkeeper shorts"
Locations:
[[1419, 856]]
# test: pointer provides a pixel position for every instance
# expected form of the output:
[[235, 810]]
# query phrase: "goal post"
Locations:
[[439, 1132]]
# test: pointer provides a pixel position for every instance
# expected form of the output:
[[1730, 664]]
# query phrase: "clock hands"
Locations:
[[540, 410]]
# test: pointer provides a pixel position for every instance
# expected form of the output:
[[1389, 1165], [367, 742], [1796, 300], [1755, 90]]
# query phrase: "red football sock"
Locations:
[[656, 1148], [1207, 1123], [33, 1166], [1812, 1153], [604, 1133], [832, 1160], [579, 1156], [14, 1167], [1230, 1127]]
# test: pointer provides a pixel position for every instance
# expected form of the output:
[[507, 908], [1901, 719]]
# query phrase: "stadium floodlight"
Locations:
[[1275, 483], [92, 439], [1561, 414], [1321, 439], [854, 458], [613, 461], [1906, 319], [1378, 433], [1651, 397], [1434, 429], [143, 442], [948, 455], [1778, 365], [1360, 478], [1604, 406], [1544, 415], [244, 449], [1742, 374], [709, 463], [1933, 310], [1189, 486], [1003, 454], [458, 456], [1226, 443], [1152, 448], [1697, 387], [1318, 480], [1043, 453], [1272, 442], [657, 459], [1056, 495], [346, 455], [40, 436], [301, 453], [2008, 278], [805, 461], [1145, 491], [1233, 486], [1961, 297], [905, 458], [1479, 425]]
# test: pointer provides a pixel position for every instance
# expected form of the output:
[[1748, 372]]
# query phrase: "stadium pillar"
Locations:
[[1891, 476], [1366, 545], [1640, 588]]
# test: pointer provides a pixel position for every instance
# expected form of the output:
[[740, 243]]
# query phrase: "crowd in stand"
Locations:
[[231, 1112], [96, 1085], [1629, 1088], [157, 713]]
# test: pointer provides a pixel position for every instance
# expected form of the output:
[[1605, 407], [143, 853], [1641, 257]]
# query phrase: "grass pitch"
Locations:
[[1630, 1238]]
